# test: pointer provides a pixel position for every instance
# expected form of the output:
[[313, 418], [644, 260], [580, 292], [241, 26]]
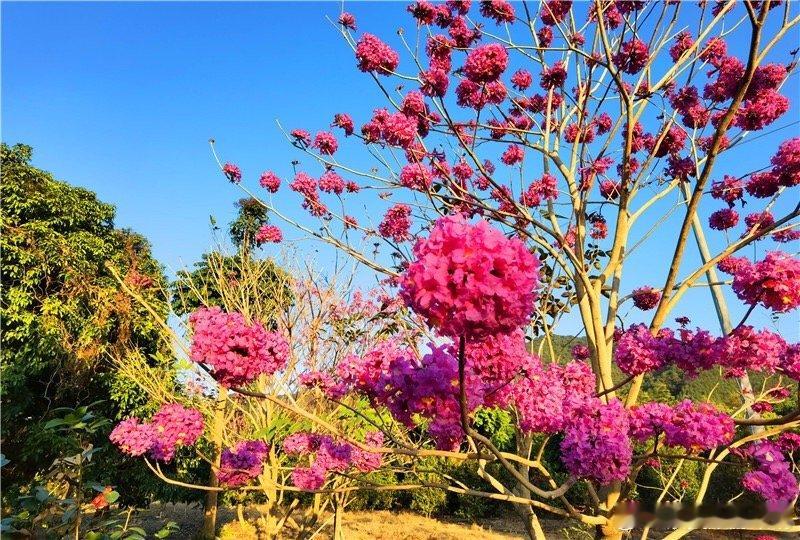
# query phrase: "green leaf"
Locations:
[[111, 497]]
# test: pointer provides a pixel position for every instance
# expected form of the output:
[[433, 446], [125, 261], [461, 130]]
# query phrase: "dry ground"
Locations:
[[383, 525]]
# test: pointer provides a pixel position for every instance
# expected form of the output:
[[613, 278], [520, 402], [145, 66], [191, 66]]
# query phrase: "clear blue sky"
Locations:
[[121, 98]]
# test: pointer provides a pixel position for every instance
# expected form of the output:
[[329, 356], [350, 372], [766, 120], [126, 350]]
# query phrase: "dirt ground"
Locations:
[[383, 525]]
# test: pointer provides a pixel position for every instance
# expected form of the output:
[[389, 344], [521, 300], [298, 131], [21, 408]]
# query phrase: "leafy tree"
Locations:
[[64, 313]]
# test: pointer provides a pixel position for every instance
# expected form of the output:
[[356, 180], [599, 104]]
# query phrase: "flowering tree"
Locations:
[[530, 152]]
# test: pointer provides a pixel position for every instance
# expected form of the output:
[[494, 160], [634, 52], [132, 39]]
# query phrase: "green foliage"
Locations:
[[498, 425], [218, 279], [58, 502], [251, 216], [64, 313]]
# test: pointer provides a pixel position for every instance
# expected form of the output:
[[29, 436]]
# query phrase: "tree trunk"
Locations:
[[338, 515], [608, 532], [209, 529], [532, 525]]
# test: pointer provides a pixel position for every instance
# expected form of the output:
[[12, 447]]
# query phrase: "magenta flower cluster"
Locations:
[[268, 234], [172, 426], [638, 351], [772, 477], [773, 282], [692, 426], [328, 454], [469, 279], [242, 463], [236, 352]]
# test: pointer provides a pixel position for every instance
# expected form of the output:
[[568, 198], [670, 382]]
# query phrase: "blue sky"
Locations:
[[122, 98]]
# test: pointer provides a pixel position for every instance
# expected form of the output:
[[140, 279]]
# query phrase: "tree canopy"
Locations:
[[64, 313]]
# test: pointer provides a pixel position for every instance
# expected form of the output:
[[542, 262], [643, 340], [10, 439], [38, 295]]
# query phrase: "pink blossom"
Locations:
[[521, 79], [270, 181], [374, 55], [646, 298], [763, 185], [232, 172], [513, 154], [347, 20], [772, 478], [790, 361], [603, 123], [470, 279], [308, 478], [596, 443], [301, 137], [326, 143], [434, 82], [242, 463], [345, 122], [638, 351], [399, 130], [773, 282], [683, 42], [416, 176], [237, 352], [757, 114], [463, 36], [554, 11], [268, 234], [724, 219], [730, 189], [786, 162], [610, 189], [133, 438], [599, 228], [545, 36], [714, 51], [499, 10], [553, 77], [331, 182], [632, 56], [396, 223], [697, 426], [486, 63], [173, 426], [745, 348]]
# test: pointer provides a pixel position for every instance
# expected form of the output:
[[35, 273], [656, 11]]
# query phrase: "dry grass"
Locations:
[[407, 526]]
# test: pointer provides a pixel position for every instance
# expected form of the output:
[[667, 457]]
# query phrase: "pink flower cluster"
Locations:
[[374, 55], [172, 426], [132, 437], [470, 279], [242, 463], [638, 351], [496, 364], [396, 223], [692, 426], [237, 352], [646, 298], [307, 187], [330, 455], [546, 397], [596, 443], [773, 282], [268, 233], [270, 181], [232, 172], [632, 56], [326, 143], [772, 477], [486, 63]]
